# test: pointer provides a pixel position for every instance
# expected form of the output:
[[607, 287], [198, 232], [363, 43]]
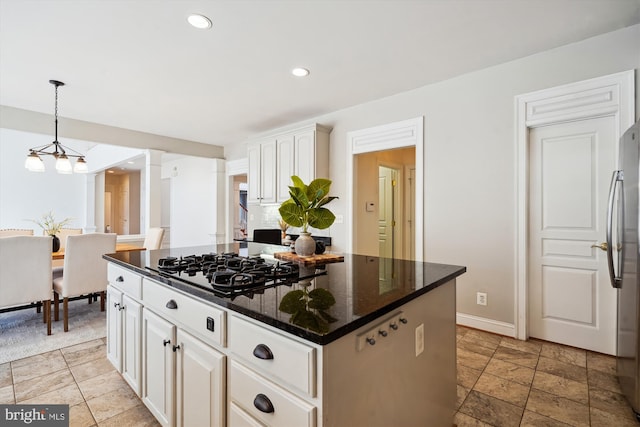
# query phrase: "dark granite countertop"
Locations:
[[360, 297]]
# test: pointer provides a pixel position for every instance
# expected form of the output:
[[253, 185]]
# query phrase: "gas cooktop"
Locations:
[[231, 275]]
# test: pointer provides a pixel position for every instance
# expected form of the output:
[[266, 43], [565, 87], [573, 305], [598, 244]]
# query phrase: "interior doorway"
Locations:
[[122, 202]]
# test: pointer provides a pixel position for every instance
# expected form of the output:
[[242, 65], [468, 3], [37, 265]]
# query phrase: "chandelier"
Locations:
[[63, 165]]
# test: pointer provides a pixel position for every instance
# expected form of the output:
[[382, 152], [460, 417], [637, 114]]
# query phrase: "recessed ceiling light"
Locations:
[[199, 21], [300, 72]]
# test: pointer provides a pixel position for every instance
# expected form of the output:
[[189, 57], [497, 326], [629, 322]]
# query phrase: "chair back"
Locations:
[[64, 233], [269, 235], [85, 271], [10, 232], [25, 270], [153, 239]]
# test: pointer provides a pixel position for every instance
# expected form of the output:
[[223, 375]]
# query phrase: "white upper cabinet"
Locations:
[[274, 159]]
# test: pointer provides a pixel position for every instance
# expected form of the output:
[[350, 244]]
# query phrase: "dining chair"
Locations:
[[10, 232], [153, 239], [84, 271], [58, 264], [25, 272]]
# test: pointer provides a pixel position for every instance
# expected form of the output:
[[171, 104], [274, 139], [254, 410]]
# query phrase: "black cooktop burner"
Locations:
[[229, 274]]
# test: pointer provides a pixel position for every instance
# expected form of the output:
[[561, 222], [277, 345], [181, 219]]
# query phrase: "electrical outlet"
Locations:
[[419, 339], [481, 298]]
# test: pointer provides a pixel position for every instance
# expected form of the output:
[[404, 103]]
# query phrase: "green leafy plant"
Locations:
[[305, 207], [49, 224], [309, 308]]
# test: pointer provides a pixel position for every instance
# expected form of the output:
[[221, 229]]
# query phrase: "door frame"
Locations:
[[232, 168], [612, 95], [407, 133]]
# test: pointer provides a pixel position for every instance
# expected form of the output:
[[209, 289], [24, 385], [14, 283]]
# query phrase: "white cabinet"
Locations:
[[275, 158]]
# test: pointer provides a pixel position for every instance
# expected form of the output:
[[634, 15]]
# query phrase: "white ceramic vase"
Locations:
[[305, 245]]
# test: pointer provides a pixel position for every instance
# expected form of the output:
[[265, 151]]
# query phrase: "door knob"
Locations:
[[602, 246]]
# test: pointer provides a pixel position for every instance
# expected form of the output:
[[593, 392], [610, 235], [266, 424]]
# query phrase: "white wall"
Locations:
[[469, 196], [28, 195]]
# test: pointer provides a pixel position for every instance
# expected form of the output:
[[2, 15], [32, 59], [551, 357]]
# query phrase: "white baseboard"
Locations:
[[489, 325]]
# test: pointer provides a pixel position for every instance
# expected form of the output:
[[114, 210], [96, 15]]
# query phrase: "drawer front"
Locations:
[[279, 408], [125, 280], [283, 359], [239, 418], [201, 319]]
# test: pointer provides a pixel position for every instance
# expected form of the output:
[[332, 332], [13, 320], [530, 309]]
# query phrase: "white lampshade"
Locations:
[[34, 163], [63, 165], [80, 166]]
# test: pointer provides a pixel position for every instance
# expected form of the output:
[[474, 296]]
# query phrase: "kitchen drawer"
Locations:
[[245, 387], [288, 361], [125, 280], [197, 317], [239, 418]]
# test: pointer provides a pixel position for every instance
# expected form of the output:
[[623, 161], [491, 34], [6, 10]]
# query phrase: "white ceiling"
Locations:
[[137, 64]]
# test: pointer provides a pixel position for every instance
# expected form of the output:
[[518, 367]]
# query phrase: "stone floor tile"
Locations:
[[491, 410], [600, 418], [6, 395], [138, 416], [467, 377], [36, 359], [564, 353], [502, 389], [112, 403], [562, 369], [603, 380], [518, 357], [526, 346], [37, 366], [85, 352], [66, 395], [91, 369], [610, 401], [471, 359], [5, 375], [558, 408], [475, 346], [464, 420], [601, 362], [532, 419], [36, 386], [486, 339], [510, 371], [101, 384], [563, 387], [462, 393], [80, 416]]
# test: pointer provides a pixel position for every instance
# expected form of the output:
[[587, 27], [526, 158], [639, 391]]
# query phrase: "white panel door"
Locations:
[[570, 298], [114, 327], [285, 169], [268, 172], [253, 174], [132, 343], [305, 156]]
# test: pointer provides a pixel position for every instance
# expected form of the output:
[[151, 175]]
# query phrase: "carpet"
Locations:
[[23, 334]]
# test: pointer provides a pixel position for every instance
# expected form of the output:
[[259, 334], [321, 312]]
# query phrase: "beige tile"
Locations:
[[601, 362], [464, 420], [112, 403], [486, 339], [510, 371], [80, 416], [531, 419], [526, 346], [101, 384], [558, 408], [462, 393], [138, 416], [36, 386], [6, 395], [562, 369], [467, 377], [563, 387], [491, 410], [600, 418], [562, 353], [91, 369], [474, 346], [603, 380], [85, 352], [471, 359], [37, 366], [5, 375], [612, 402], [518, 357], [502, 389], [69, 395]]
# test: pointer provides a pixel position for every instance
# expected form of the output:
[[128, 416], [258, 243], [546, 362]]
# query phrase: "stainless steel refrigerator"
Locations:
[[623, 256]]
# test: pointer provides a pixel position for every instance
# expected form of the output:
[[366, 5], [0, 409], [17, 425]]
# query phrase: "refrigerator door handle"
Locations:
[[616, 282]]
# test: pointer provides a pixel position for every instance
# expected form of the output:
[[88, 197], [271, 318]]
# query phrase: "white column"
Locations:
[[90, 204], [153, 191], [218, 181]]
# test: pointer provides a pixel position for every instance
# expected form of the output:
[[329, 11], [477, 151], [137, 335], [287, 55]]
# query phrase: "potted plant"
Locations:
[[306, 209], [51, 227]]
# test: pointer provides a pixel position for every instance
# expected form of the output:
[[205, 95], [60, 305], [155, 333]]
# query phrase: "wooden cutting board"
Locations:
[[309, 260]]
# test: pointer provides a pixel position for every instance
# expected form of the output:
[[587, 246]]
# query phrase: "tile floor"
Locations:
[[501, 382]]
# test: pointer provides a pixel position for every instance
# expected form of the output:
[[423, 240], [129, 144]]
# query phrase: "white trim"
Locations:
[[611, 95], [489, 325], [407, 133], [233, 168]]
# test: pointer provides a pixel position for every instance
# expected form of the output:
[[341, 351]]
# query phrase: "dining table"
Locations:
[[120, 247]]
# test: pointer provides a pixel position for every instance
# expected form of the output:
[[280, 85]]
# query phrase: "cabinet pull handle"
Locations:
[[172, 305], [120, 279], [165, 342], [122, 307], [403, 320], [116, 304], [176, 347], [262, 352], [263, 404]]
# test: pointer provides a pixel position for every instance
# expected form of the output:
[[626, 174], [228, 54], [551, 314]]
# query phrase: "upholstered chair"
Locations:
[[25, 272], [153, 239], [10, 232], [85, 271], [58, 264]]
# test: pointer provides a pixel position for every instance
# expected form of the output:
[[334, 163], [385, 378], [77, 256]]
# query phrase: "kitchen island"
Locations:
[[363, 342]]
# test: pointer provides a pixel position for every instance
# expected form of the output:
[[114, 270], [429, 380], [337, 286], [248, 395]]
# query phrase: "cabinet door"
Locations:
[[200, 383], [285, 168], [239, 418], [158, 386], [114, 327], [132, 342], [268, 172], [305, 156], [253, 174]]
